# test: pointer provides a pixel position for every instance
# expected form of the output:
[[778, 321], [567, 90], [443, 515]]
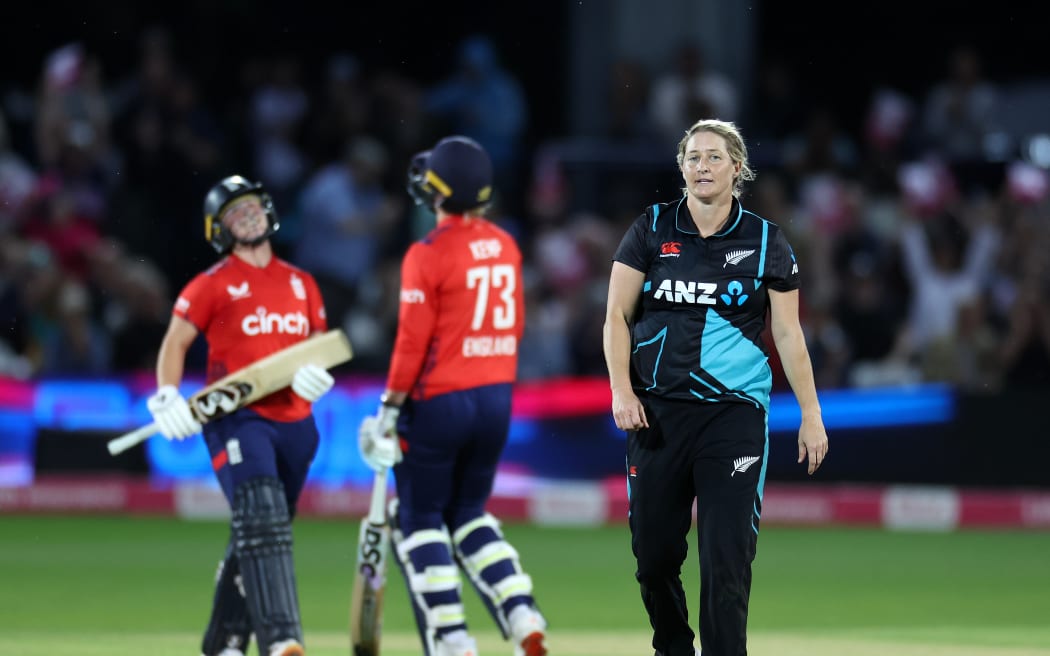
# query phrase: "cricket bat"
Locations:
[[366, 599], [251, 383]]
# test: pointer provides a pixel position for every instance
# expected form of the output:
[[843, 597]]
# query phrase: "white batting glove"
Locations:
[[377, 439], [312, 382], [172, 414]]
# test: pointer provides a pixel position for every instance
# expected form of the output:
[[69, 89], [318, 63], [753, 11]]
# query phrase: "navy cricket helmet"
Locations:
[[220, 196], [455, 175]]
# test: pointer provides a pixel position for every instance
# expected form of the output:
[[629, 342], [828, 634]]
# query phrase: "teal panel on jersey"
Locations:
[[651, 351], [765, 245], [734, 360]]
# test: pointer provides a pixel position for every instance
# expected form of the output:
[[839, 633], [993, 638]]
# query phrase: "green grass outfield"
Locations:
[[116, 586]]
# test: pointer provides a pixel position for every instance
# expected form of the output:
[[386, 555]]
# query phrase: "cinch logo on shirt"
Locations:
[[686, 291], [265, 323], [671, 249]]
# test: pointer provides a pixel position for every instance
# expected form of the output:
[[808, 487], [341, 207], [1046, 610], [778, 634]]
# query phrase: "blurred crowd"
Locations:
[[923, 237]]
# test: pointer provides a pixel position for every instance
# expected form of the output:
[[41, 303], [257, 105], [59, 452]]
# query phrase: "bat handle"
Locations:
[[128, 440], [376, 510]]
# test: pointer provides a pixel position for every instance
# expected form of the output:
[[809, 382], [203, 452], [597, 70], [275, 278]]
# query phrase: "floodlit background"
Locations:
[[904, 149]]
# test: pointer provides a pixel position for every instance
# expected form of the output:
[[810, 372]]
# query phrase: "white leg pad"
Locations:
[[513, 586], [445, 615], [496, 551], [436, 578]]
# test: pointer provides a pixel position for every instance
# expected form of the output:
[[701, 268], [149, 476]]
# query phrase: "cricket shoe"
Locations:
[[527, 628], [287, 648], [456, 643]]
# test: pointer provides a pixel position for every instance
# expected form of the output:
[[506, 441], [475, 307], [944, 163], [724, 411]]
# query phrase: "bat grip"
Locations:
[[128, 440], [376, 510]]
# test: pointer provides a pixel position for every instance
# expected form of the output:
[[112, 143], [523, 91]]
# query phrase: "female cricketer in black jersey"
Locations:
[[691, 284]]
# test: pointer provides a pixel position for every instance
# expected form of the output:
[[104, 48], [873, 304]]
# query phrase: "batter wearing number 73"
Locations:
[[443, 419]]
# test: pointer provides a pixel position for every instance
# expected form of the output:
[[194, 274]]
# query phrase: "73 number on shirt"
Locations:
[[500, 280]]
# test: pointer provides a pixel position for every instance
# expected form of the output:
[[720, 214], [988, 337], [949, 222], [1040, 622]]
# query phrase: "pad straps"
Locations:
[[262, 534], [229, 625]]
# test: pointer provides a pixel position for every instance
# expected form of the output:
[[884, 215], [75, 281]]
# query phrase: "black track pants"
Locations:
[[714, 454]]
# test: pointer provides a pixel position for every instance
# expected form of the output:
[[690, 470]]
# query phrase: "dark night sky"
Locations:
[[846, 49], [841, 50]]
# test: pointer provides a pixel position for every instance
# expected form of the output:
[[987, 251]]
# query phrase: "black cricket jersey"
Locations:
[[697, 333]]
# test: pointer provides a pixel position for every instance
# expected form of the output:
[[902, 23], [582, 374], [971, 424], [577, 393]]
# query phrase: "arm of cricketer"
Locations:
[[247, 385]]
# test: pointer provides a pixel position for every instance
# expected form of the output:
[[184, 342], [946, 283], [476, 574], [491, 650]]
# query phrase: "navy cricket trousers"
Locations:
[[246, 445], [453, 445], [714, 454]]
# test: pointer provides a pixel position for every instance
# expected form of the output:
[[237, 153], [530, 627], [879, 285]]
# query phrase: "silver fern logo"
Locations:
[[736, 257], [743, 464]]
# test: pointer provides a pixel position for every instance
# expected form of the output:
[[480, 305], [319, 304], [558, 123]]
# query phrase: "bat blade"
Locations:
[[366, 598], [253, 382]]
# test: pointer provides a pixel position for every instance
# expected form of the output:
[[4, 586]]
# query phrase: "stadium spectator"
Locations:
[[1024, 355], [346, 218], [1021, 287], [72, 341], [960, 110], [341, 111], [17, 181], [822, 147], [16, 256], [947, 259], [277, 110], [169, 140], [483, 100], [628, 106], [72, 109], [55, 220], [780, 106], [690, 89]]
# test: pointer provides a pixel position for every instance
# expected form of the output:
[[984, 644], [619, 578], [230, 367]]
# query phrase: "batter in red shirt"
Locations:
[[247, 306], [247, 312], [448, 397]]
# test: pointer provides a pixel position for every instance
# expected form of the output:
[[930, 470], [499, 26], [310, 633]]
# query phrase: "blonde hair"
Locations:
[[735, 148]]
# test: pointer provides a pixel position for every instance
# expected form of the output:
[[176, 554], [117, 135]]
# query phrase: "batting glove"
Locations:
[[312, 382], [172, 414], [377, 439]]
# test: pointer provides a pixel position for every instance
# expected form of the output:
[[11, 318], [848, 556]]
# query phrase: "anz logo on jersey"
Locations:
[[692, 292], [686, 291]]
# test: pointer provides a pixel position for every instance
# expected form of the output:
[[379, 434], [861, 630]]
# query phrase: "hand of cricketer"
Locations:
[[377, 439], [172, 413], [812, 441], [628, 411], [312, 382]]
